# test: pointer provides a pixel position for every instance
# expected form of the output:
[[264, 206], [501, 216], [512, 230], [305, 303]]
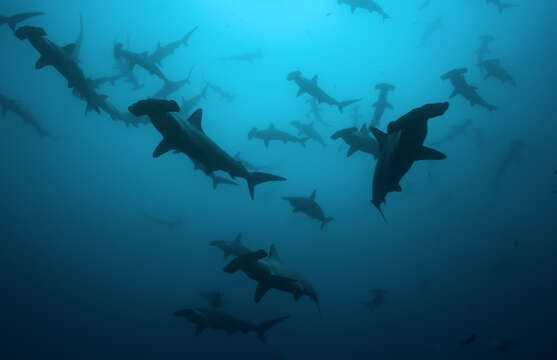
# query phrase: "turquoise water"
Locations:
[[87, 270]]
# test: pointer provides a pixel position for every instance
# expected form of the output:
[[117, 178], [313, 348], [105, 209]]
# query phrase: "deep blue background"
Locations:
[[84, 275]]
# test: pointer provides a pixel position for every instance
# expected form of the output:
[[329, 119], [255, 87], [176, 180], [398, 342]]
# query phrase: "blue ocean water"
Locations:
[[89, 270]]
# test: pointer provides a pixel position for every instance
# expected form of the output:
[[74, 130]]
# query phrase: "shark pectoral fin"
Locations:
[[260, 291], [295, 210], [266, 141], [426, 153], [453, 94], [389, 106], [300, 92], [41, 63], [351, 151], [162, 148], [315, 78], [199, 329]]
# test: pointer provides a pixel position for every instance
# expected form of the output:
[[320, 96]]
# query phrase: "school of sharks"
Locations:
[[384, 139]]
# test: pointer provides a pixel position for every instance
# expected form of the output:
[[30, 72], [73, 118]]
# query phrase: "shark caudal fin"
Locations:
[[326, 221], [244, 260], [341, 105], [265, 326], [256, 178], [153, 106]]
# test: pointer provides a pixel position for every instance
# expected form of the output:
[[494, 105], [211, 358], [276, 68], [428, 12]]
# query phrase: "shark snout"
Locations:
[[293, 75]]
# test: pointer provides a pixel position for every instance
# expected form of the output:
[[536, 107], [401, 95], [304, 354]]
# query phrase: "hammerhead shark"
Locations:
[[400, 148], [271, 273], [10, 105], [188, 137], [13, 20], [310, 87]]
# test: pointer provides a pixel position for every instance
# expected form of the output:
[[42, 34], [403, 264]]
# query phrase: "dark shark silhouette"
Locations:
[[188, 137], [224, 94], [369, 5], [381, 104], [164, 51], [272, 134], [501, 5], [10, 105], [126, 70], [188, 105], [170, 87], [310, 87], [400, 147], [494, 69], [461, 87], [358, 141], [483, 49], [310, 207], [315, 111], [13, 20], [231, 248], [61, 59], [431, 29], [136, 59], [216, 319], [308, 130], [270, 272]]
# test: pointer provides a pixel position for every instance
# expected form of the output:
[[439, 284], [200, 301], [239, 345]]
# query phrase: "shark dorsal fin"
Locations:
[[315, 78], [271, 126], [312, 196], [238, 239], [363, 129], [69, 49], [273, 254], [195, 119]]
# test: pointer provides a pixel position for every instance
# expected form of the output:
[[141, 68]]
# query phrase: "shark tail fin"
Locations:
[[256, 178], [341, 105], [326, 221], [265, 326], [244, 260]]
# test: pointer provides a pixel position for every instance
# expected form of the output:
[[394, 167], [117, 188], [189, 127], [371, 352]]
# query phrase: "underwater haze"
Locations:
[[116, 211]]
